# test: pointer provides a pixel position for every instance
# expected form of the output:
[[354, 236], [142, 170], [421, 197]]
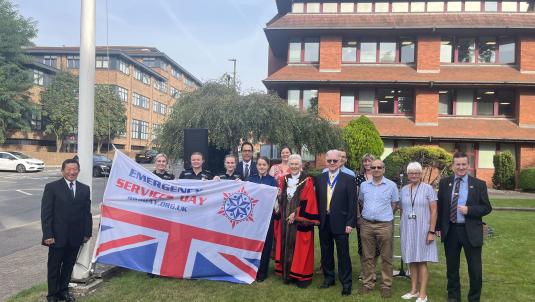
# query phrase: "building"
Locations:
[[457, 74], [146, 79]]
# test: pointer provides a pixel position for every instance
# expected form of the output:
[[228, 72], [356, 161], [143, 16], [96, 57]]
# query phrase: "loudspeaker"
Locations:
[[195, 140]]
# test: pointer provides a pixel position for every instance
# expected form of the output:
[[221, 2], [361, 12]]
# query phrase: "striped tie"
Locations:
[[454, 200]]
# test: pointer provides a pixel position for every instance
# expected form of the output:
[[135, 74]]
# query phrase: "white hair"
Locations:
[[334, 152], [414, 167], [295, 156]]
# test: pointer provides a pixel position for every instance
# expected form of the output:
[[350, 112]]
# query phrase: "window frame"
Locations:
[[375, 110], [301, 41], [477, 41], [495, 106], [398, 40]]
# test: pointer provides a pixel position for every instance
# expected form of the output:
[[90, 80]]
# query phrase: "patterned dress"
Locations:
[[414, 247]]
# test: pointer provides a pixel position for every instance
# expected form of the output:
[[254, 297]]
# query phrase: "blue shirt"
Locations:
[[263, 180], [378, 199], [463, 195], [344, 169]]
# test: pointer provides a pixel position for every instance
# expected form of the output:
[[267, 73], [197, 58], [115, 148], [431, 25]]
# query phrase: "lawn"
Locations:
[[516, 203], [508, 274]]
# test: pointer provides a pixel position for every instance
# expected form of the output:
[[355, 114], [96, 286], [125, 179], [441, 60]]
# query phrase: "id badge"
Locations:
[[412, 216]]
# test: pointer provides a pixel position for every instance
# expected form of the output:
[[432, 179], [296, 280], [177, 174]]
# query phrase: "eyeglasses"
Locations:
[[332, 161], [376, 168], [246, 151]]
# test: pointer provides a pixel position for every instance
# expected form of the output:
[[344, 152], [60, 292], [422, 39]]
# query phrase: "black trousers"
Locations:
[[61, 261], [456, 240], [327, 241], [266, 253]]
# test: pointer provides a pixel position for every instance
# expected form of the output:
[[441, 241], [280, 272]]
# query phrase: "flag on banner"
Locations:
[[183, 228]]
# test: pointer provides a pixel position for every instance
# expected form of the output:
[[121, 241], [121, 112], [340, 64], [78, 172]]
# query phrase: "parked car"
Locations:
[[146, 156], [20, 162], [101, 165]]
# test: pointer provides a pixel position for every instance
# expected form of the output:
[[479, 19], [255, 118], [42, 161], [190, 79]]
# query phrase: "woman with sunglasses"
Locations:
[[418, 209], [263, 177]]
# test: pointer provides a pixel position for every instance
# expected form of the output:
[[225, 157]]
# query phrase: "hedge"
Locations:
[[504, 171], [527, 179]]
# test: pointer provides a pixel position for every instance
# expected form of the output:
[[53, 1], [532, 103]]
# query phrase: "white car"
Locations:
[[20, 162]]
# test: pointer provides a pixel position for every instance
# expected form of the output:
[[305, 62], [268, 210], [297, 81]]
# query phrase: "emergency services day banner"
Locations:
[[183, 228]]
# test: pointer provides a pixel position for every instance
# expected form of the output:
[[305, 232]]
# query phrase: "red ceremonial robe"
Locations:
[[294, 257]]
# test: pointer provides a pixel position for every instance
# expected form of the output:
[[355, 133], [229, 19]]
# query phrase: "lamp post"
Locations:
[[233, 73]]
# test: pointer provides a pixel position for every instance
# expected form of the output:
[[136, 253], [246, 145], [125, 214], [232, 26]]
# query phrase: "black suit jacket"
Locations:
[[64, 219], [478, 206], [252, 169], [342, 202]]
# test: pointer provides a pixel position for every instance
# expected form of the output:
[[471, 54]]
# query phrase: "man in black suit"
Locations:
[[462, 201], [247, 166], [66, 222], [335, 192]]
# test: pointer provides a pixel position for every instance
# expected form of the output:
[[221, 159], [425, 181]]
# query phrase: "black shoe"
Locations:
[[51, 299], [260, 279], [303, 284], [327, 284], [68, 297], [346, 291]]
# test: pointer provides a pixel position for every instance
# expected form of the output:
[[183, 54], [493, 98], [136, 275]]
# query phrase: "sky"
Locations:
[[200, 35]]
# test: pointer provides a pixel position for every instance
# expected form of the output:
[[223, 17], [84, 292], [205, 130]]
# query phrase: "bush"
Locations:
[[527, 179], [504, 171], [360, 137], [435, 161]]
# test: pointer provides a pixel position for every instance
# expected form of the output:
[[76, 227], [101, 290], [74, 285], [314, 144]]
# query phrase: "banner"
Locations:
[[183, 228]]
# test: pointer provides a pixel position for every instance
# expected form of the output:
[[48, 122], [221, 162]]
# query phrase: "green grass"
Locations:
[[517, 203], [508, 273]]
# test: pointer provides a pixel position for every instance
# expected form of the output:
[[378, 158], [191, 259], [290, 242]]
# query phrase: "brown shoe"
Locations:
[[386, 293], [363, 290]]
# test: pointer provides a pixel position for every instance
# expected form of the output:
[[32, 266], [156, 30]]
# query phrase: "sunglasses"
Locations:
[[332, 161], [376, 168]]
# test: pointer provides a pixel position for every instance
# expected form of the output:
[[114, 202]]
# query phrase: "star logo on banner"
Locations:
[[238, 206]]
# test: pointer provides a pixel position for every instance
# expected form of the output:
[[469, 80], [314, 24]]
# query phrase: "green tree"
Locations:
[[16, 33], [231, 117], [361, 137], [504, 171], [60, 107], [110, 115]]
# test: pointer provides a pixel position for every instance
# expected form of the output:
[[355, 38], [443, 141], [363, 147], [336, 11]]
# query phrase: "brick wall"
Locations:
[[428, 54], [527, 156], [526, 108], [485, 175], [329, 103], [426, 107], [527, 54], [330, 53]]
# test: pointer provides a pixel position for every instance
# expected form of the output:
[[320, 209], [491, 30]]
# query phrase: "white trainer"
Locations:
[[409, 296], [421, 300]]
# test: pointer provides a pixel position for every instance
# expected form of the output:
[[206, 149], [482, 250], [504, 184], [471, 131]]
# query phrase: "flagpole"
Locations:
[[86, 113]]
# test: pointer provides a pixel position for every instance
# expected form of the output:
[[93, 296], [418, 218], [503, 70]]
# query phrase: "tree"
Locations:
[[504, 171], [15, 80], [60, 107], [231, 117], [361, 137], [110, 116]]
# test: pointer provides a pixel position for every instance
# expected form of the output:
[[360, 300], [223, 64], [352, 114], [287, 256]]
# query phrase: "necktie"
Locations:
[[246, 172], [454, 200], [71, 186], [329, 192]]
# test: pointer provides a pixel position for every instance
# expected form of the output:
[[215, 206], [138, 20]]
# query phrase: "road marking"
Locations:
[[20, 191]]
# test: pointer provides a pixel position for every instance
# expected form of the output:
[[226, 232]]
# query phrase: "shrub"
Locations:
[[504, 171], [360, 137], [435, 161], [527, 179]]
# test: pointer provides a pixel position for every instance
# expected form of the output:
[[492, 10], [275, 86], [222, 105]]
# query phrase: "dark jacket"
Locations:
[[64, 219], [165, 175], [189, 174], [343, 203], [478, 206], [225, 176], [252, 169], [264, 180]]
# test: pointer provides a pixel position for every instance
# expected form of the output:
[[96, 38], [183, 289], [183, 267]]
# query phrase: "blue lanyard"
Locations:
[[334, 181]]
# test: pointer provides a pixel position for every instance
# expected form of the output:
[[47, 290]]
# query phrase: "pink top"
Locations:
[[278, 172]]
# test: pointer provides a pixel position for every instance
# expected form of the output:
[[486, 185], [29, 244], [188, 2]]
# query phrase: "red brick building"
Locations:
[[457, 74], [146, 79]]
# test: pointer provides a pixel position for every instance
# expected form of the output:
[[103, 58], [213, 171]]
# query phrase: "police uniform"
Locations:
[[189, 174], [233, 176], [165, 175]]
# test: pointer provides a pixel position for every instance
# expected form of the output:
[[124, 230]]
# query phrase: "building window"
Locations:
[[389, 101], [138, 75], [294, 96], [435, 6], [347, 101], [486, 155], [506, 102], [445, 102], [302, 99], [507, 50], [466, 50], [36, 121], [381, 7], [140, 101], [311, 50], [73, 62], [487, 50], [364, 7], [140, 129], [146, 79], [387, 52], [160, 86], [309, 97], [175, 93], [155, 129], [368, 52], [485, 102], [122, 93], [313, 7], [472, 6], [38, 77], [330, 7], [400, 6], [123, 67], [151, 62], [385, 99], [346, 7], [417, 6], [294, 52], [298, 7], [102, 62], [509, 6], [407, 50], [306, 51], [159, 107], [491, 6], [50, 61], [366, 98], [524, 6], [454, 6], [464, 102], [349, 51], [446, 51], [176, 74]]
